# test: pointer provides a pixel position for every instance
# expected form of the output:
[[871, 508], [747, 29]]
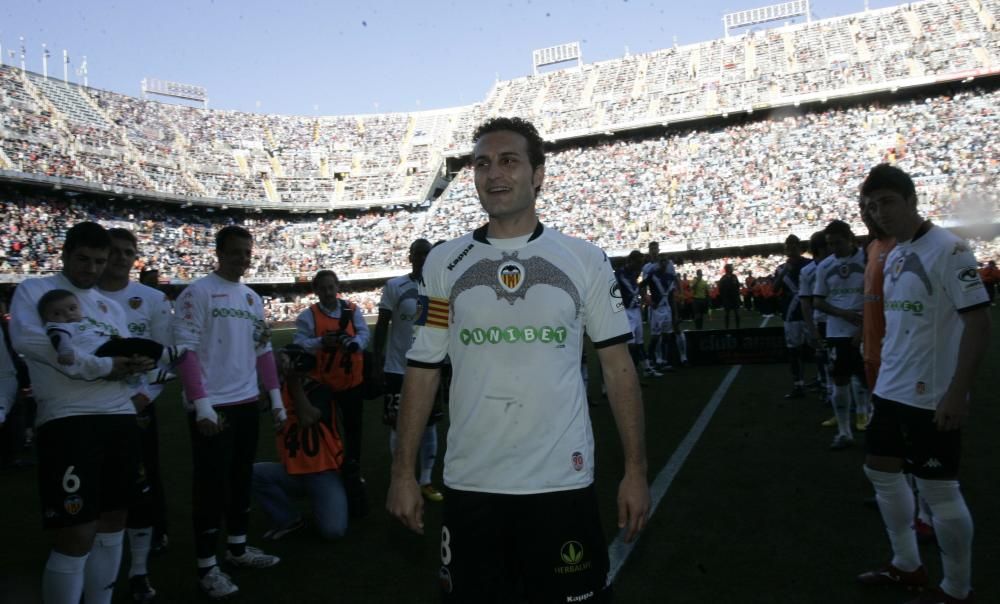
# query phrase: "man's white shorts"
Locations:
[[661, 320], [795, 334], [635, 322]]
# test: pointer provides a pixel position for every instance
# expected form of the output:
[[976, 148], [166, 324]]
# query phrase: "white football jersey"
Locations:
[[399, 296], [78, 389], [149, 315], [222, 321], [841, 281], [928, 282], [512, 318], [807, 283]]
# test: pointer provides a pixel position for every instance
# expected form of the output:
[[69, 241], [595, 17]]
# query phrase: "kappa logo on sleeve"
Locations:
[[615, 296]]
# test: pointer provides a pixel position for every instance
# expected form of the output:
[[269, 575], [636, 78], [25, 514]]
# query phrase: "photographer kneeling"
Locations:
[[311, 453]]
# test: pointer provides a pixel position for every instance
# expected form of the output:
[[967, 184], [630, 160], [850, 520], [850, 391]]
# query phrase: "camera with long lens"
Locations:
[[348, 343]]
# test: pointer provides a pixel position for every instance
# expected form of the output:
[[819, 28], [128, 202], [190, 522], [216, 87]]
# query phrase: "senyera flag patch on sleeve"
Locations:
[[432, 312]]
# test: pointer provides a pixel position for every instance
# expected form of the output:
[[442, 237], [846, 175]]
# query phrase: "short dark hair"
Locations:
[[792, 240], [817, 243], [536, 146], [120, 233], [51, 297], [838, 227], [887, 176], [230, 232], [421, 243], [86, 234], [324, 273]]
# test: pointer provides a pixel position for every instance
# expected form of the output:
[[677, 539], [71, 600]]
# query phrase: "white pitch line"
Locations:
[[619, 551]]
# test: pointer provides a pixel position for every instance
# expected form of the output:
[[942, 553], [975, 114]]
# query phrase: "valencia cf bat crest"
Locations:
[[510, 278]]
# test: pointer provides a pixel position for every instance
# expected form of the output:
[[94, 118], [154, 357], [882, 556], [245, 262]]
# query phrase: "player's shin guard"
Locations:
[[428, 453], [682, 346], [953, 527], [842, 409], [101, 570], [895, 502], [62, 579]]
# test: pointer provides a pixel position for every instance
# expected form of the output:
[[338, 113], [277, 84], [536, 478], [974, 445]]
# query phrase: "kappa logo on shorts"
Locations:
[[933, 463], [921, 388], [134, 302], [445, 578], [73, 504], [580, 598], [577, 461]]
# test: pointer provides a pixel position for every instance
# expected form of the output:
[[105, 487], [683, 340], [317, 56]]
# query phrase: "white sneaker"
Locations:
[[252, 558], [650, 372], [217, 584]]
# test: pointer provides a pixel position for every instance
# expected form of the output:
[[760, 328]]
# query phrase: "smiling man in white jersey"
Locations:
[[509, 303], [937, 333], [220, 322], [148, 313], [88, 441]]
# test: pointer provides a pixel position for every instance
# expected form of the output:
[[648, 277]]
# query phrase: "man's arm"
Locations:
[[806, 304], [953, 409], [851, 316], [27, 335], [381, 332], [305, 331], [626, 406], [420, 385]]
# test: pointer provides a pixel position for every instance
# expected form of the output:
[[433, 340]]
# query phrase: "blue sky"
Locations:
[[311, 57]]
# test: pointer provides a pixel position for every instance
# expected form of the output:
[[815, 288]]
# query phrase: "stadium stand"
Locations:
[[750, 154]]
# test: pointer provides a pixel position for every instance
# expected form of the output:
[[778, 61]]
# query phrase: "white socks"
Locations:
[[140, 542], [862, 397], [842, 409], [101, 570], [62, 579], [895, 501], [953, 527], [428, 453]]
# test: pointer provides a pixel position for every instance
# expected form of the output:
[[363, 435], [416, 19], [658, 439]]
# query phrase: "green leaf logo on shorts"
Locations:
[[571, 552]]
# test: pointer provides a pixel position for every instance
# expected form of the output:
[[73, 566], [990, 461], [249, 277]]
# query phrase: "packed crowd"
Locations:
[[246, 158], [719, 187]]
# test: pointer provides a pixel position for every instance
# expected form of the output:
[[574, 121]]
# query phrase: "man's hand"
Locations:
[[207, 420], [122, 367], [952, 411], [307, 414], [405, 502], [330, 341], [140, 401], [280, 417], [633, 505], [854, 318]]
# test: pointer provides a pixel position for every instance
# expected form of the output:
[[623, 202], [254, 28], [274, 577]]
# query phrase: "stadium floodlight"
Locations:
[[174, 89], [556, 54], [766, 14]]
